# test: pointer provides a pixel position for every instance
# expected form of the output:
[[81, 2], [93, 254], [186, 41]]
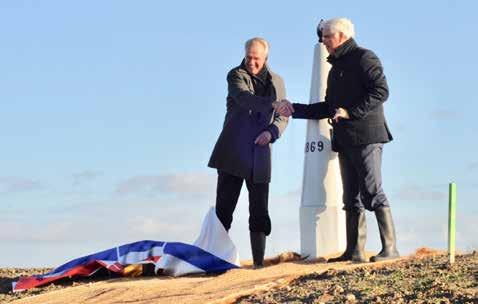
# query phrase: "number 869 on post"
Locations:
[[313, 146]]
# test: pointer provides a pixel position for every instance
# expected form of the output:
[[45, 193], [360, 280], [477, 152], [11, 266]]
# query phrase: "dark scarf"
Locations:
[[262, 82], [263, 74]]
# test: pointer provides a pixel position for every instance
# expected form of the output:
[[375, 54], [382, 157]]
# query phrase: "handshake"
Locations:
[[283, 107]]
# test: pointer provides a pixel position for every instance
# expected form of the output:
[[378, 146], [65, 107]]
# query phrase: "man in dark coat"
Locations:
[[356, 91], [243, 150]]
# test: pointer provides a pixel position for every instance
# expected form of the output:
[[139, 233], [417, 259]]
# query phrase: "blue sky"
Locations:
[[110, 110]]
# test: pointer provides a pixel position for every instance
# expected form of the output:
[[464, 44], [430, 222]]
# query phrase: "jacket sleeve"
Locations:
[[279, 123], [375, 83], [239, 91], [277, 127], [318, 110]]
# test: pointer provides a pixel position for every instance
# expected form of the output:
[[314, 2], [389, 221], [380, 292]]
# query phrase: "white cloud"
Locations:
[[442, 114], [85, 176], [140, 184], [112, 222], [118, 221], [79, 229], [191, 183], [415, 231], [414, 192], [292, 196], [163, 229], [26, 231], [10, 184], [472, 166]]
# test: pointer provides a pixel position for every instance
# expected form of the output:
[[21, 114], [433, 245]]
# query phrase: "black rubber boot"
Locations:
[[387, 236], [258, 246], [349, 231], [358, 253], [356, 231]]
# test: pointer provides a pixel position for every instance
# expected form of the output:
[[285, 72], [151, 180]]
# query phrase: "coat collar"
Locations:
[[342, 50]]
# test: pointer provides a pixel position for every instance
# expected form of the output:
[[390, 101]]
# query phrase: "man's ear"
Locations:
[[342, 36]]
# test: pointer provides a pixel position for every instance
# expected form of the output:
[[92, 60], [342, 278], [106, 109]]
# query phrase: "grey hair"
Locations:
[[259, 40], [342, 25]]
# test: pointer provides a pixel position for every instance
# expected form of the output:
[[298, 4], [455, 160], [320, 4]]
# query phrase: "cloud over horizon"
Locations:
[[419, 193], [181, 184], [472, 166], [11, 184], [85, 176], [443, 114]]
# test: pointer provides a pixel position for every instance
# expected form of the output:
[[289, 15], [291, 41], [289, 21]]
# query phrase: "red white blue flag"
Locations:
[[212, 252]]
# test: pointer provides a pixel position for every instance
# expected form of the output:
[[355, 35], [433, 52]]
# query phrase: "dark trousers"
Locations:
[[360, 168], [228, 190]]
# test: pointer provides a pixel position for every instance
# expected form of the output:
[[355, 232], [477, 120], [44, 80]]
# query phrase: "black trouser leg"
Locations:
[[350, 184], [354, 227], [368, 163], [387, 235], [361, 167], [227, 194], [259, 220]]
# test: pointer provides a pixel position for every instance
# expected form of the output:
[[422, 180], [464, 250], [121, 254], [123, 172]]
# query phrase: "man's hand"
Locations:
[[263, 139], [341, 113], [284, 108]]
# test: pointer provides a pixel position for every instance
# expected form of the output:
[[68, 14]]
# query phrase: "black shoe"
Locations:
[[387, 236]]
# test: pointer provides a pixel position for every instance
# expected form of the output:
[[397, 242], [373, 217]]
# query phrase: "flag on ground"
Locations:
[[212, 252]]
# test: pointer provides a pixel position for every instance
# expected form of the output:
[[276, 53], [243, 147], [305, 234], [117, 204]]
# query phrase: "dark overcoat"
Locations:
[[247, 116], [356, 82]]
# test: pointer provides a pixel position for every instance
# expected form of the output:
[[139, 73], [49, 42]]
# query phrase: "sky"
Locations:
[[110, 110]]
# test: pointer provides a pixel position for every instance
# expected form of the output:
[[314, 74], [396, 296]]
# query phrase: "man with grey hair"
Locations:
[[356, 91], [243, 150]]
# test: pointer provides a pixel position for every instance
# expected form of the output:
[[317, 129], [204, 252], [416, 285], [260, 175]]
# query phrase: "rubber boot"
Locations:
[[356, 232], [258, 246], [349, 232], [387, 236], [358, 253]]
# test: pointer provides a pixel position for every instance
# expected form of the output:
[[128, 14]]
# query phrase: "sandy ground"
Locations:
[[224, 288]]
